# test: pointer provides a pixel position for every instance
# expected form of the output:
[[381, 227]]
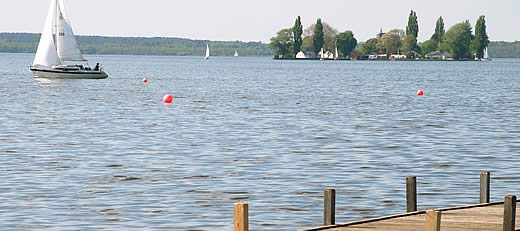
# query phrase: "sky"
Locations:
[[258, 20]]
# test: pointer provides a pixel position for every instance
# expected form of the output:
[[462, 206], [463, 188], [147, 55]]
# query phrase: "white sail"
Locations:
[[236, 53], [486, 55], [322, 54], [46, 55], [336, 54], [207, 52], [68, 49]]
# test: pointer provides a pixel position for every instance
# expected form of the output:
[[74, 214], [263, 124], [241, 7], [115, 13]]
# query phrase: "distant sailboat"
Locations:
[[236, 54], [207, 52], [322, 54], [336, 54], [486, 55], [58, 52]]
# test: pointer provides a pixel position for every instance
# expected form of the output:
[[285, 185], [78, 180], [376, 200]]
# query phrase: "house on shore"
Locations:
[[438, 55], [397, 57], [301, 55], [413, 55]]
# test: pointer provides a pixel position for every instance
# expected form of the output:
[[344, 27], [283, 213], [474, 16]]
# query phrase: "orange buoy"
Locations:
[[420, 92], [145, 80], [168, 99]]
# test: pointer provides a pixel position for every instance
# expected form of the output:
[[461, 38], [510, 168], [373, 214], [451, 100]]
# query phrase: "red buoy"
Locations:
[[168, 99], [420, 92], [145, 80]]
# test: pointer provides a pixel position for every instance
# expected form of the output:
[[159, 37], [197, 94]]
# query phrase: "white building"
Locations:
[[300, 55]]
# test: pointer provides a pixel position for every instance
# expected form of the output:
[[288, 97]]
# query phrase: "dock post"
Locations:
[[411, 194], [241, 216], [485, 182], [433, 220], [509, 213], [329, 207]]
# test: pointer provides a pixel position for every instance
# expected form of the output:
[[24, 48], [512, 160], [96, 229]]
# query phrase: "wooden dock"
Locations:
[[485, 216], [488, 217]]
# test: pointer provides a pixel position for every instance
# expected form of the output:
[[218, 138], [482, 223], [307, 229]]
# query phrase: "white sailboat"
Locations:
[[236, 54], [486, 55], [207, 52], [336, 54], [58, 55]]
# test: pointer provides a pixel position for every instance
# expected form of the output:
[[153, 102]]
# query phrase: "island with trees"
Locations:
[[321, 41]]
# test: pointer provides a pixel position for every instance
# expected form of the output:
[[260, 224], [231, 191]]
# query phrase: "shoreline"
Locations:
[[386, 60]]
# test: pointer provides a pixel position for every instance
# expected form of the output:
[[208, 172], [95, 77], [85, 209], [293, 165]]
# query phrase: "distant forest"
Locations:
[[27, 43], [504, 49]]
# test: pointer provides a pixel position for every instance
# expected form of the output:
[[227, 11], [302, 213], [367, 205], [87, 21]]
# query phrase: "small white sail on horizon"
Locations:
[[336, 54], [207, 52], [486, 55], [236, 54]]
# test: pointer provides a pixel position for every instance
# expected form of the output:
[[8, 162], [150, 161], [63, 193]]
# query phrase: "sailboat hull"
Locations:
[[59, 74]]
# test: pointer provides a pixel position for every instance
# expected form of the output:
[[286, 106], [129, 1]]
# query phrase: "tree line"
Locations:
[[28, 42], [459, 41]]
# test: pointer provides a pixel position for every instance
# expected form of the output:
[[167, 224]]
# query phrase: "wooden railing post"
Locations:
[[433, 220], [241, 217], [485, 182], [329, 207], [411, 194], [509, 213]]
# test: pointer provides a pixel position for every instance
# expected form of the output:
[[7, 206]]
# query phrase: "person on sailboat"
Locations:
[[96, 68]]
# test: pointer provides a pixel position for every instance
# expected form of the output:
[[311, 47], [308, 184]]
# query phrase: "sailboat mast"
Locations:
[[56, 20]]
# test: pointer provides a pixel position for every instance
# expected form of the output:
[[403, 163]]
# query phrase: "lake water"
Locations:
[[108, 154]]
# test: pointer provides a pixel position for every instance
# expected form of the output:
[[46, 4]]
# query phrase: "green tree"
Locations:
[[481, 40], [429, 46], [346, 43], [438, 36], [391, 43], [458, 40], [370, 46], [329, 35], [297, 33], [412, 31], [307, 45], [409, 44], [318, 38], [282, 44], [399, 32], [413, 26]]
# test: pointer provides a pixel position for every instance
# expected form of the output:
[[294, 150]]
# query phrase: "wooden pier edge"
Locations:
[[399, 216]]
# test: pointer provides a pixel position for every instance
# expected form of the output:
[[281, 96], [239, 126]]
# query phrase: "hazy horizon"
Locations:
[[230, 20]]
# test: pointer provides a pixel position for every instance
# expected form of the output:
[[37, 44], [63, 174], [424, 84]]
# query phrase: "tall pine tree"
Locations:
[[297, 33], [439, 32], [413, 26], [481, 40], [412, 31], [318, 39]]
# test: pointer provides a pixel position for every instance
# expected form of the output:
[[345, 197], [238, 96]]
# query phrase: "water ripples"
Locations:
[[109, 155]]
